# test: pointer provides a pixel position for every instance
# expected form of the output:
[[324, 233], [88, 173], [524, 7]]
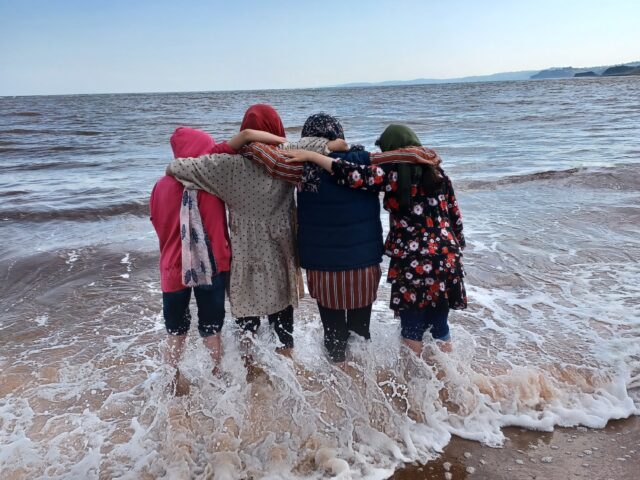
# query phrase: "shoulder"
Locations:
[[167, 183], [166, 188]]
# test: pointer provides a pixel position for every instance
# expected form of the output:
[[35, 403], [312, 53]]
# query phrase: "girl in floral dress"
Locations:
[[425, 240]]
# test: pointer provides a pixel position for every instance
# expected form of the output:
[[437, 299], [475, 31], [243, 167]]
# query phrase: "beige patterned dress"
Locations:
[[264, 264]]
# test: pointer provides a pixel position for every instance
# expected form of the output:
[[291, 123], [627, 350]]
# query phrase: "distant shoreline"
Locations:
[[525, 75]]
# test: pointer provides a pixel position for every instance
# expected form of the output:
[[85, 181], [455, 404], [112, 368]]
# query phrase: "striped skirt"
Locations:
[[344, 290]]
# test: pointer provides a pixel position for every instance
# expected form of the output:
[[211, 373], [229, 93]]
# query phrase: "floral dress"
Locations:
[[425, 240]]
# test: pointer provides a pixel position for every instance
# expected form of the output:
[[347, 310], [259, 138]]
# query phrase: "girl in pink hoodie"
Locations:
[[165, 204]]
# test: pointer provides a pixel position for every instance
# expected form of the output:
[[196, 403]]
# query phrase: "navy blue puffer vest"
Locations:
[[339, 227]]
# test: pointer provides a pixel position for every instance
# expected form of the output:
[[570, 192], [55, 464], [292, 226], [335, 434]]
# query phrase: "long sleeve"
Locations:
[[365, 177], [211, 173], [403, 155], [275, 162], [455, 215]]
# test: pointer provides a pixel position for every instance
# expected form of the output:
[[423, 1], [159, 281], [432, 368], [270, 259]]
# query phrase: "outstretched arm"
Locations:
[[407, 155], [365, 177], [276, 163], [211, 173], [247, 136], [418, 155]]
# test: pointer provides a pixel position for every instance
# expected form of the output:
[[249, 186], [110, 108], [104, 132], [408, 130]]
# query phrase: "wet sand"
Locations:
[[564, 454]]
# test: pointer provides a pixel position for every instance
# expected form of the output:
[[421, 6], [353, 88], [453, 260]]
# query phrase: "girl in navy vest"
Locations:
[[425, 239], [340, 245]]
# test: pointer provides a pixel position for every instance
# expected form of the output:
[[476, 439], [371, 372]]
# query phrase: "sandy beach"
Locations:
[[612, 453]]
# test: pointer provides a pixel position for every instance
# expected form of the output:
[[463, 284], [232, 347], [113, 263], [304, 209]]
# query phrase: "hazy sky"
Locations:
[[87, 46]]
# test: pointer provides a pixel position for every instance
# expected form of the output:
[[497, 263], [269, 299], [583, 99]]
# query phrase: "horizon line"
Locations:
[[355, 84]]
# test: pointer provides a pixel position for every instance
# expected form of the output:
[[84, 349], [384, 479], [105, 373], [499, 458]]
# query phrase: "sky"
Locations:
[[110, 46]]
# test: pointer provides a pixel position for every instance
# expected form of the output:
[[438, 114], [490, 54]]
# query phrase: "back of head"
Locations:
[[264, 118], [400, 136], [397, 136], [189, 142], [323, 125]]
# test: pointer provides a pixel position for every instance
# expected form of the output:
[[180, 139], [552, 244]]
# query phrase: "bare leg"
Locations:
[[172, 355], [214, 345], [285, 351], [174, 349], [446, 347], [414, 345]]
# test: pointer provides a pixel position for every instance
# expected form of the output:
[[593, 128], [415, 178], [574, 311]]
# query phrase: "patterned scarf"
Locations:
[[198, 265], [318, 125]]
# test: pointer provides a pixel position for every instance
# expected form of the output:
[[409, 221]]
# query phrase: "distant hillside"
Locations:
[[568, 72], [495, 77], [561, 72], [621, 70]]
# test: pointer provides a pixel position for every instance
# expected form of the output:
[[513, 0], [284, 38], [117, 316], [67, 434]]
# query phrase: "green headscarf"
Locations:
[[393, 138], [398, 136]]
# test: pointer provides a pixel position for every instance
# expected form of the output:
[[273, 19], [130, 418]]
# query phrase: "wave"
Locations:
[[50, 165], [26, 114], [33, 131], [618, 176], [14, 193], [80, 214], [528, 177]]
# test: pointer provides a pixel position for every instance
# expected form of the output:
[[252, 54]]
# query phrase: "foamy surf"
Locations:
[[105, 411]]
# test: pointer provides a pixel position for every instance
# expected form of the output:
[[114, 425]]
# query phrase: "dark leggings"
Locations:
[[338, 325], [282, 322]]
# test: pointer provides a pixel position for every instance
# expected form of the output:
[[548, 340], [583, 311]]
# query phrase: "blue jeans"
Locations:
[[414, 323], [210, 301]]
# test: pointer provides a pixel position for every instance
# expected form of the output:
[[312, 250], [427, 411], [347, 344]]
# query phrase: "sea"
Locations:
[[547, 174]]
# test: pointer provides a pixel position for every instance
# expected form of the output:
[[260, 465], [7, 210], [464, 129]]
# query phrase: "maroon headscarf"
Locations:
[[264, 118]]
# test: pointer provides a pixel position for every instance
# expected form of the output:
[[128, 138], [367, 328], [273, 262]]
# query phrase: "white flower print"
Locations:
[[418, 209], [432, 202], [414, 263], [413, 245]]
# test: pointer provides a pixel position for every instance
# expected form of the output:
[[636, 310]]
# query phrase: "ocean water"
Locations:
[[548, 178]]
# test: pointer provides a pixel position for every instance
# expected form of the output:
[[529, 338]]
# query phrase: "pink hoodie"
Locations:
[[165, 203]]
